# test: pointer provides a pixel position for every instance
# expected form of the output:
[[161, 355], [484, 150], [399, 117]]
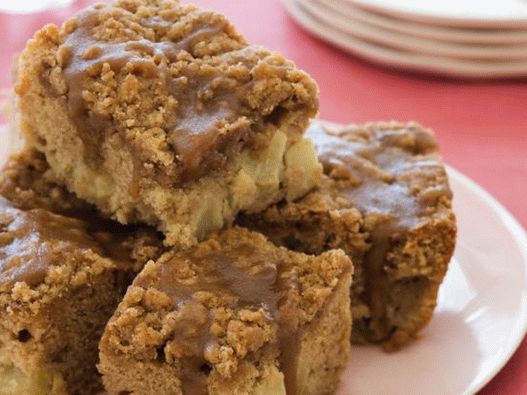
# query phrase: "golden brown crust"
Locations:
[[221, 304], [43, 254], [386, 201]]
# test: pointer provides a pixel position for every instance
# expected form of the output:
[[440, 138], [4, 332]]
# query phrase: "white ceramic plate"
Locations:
[[402, 41], [386, 56], [466, 13], [341, 16], [481, 315], [416, 29]]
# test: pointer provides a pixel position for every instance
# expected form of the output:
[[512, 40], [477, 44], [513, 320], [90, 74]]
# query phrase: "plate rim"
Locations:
[[452, 34], [408, 42], [519, 235], [411, 43], [441, 20], [394, 59]]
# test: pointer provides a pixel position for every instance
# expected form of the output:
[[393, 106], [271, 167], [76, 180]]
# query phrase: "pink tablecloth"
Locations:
[[482, 127]]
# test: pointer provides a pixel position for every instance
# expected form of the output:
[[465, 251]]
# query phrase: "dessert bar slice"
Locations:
[[233, 315], [61, 278], [386, 201], [27, 182], [162, 113]]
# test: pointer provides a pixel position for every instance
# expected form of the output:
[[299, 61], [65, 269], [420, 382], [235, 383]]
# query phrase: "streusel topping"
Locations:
[[42, 254], [176, 85]]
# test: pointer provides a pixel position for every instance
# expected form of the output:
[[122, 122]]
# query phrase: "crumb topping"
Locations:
[[385, 199], [43, 254], [175, 85], [38, 248], [367, 163]]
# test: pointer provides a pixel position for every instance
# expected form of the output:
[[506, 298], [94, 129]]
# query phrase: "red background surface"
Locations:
[[482, 127]]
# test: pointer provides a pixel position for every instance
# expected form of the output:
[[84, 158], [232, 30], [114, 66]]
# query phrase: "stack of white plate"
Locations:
[[456, 38]]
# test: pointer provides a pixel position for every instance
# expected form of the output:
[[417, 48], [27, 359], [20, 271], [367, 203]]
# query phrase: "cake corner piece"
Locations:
[[61, 277], [234, 314], [386, 201], [162, 113]]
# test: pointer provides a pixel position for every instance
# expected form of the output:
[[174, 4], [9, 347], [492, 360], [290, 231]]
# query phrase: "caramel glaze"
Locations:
[[367, 167], [257, 283], [32, 241], [193, 128]]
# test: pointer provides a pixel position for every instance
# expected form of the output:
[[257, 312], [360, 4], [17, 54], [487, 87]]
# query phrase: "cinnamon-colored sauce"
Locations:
[[193, 128], [34, 240], [253, 284]]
